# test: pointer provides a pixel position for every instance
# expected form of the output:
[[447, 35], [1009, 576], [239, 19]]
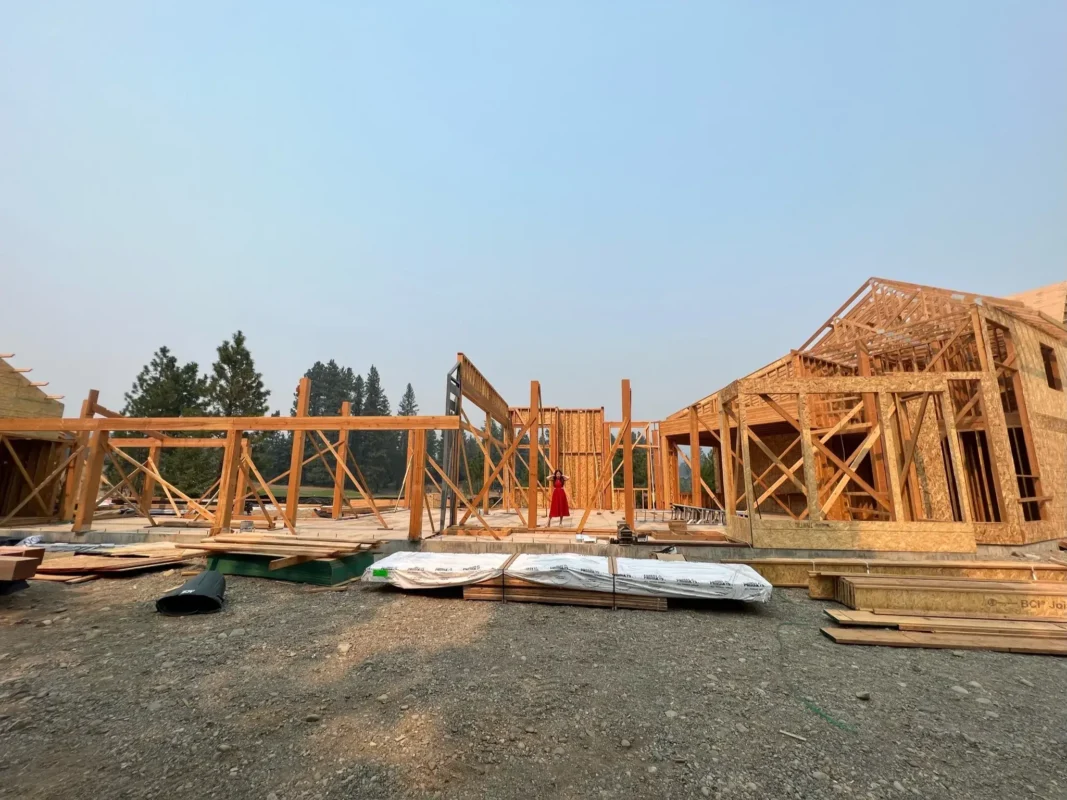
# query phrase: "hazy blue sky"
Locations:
[[570, 191]]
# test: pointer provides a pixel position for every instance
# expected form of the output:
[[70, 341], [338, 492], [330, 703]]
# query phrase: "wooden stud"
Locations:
[[342, 455], [535, 429], [694, 455], [90, 485], [416, 486], [296, 462], [811, 479], [628, 458]]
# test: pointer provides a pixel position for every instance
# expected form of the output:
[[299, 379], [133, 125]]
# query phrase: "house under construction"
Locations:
[[914, 419]]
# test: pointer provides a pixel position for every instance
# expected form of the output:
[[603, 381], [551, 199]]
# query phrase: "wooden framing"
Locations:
[[913, 406]]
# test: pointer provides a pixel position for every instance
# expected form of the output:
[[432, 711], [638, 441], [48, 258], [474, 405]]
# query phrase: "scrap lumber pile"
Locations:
[[570, 578], [118, 562], [327, 562], [286, 551], [956, 633], [18, 564]]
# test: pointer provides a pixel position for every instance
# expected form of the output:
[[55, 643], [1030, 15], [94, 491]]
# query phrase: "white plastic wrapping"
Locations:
[[563, 569], [432, 570], [640, 576], [698, 579]]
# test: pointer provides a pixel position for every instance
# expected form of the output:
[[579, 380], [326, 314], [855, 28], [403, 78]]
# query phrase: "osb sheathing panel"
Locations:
[[581, 434], [19, 399], [930, 462], [1047, 408], [931, 537]]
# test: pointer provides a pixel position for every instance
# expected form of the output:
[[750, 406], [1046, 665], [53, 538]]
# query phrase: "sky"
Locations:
[[575, 192]]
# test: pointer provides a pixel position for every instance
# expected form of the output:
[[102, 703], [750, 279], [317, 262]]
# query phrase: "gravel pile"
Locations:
[[372, 693]]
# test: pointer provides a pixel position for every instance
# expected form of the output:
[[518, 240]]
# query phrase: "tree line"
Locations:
[[234, 388]]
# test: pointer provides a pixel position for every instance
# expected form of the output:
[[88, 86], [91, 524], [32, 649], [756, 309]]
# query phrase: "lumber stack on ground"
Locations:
[[793, 572], [71, 567], [986, 599], [904, 630], [516, 590], [288, 550], [19, 563]]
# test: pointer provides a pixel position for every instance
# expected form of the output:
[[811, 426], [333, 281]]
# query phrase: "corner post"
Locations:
[[628, 455], [90, 485], [416, 483]]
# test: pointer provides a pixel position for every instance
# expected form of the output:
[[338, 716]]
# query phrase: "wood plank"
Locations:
[[952, 641]]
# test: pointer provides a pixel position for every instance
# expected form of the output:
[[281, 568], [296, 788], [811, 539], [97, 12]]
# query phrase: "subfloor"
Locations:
[[371, 693]]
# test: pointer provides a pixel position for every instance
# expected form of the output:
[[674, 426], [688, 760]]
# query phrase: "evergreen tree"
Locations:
[[378, 447], [165, 388], [235, 388], [408, 408]]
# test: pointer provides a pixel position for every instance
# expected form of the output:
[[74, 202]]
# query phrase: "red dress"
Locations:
[[559, 507]]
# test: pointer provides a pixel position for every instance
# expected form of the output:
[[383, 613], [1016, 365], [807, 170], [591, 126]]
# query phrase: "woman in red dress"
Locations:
[[559, 507]]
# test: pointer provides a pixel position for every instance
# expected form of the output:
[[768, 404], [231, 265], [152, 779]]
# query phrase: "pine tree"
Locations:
[[235, 388], [378, 450], [165, 388], [408, 407]]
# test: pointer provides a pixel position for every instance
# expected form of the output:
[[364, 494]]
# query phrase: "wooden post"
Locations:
[[870, 414], [535, 431], [296, 462], [811, 480], [628, 456], [746, 460], [242, 478], [342, 455], [655, 460], [486, 464], [892, 459], [956, 454], [90, 484], [729, 494], [76, 467], [996, 428], [694, 456], [148, 488], [231, 469], [416, 483]]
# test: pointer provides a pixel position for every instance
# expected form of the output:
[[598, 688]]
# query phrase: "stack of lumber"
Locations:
[[1045, 637], [516, 590], [287, 550], [795, 572], [114, 563], [19, 563]]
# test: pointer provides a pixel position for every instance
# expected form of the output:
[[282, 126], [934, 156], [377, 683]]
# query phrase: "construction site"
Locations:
[[896, 482]]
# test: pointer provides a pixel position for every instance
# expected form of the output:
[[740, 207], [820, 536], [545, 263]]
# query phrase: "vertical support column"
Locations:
[[870, 414], [508, 433], [416, 483], [148, 488], [655, 460], [811, 480], [342, 457], [535, 430], [231, 463], [487, 465], [245, 452], [694, 456], [76, 467], [404, 499], [627, 456], [892, 458], [963, 494], [996, 428], [729, 494], [90, 483], [746, 459], [296, 469]]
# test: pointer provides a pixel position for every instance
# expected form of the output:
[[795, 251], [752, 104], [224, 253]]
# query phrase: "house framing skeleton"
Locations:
[[914, 419]]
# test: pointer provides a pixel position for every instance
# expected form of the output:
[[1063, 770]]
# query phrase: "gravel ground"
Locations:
[[371, 693]]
